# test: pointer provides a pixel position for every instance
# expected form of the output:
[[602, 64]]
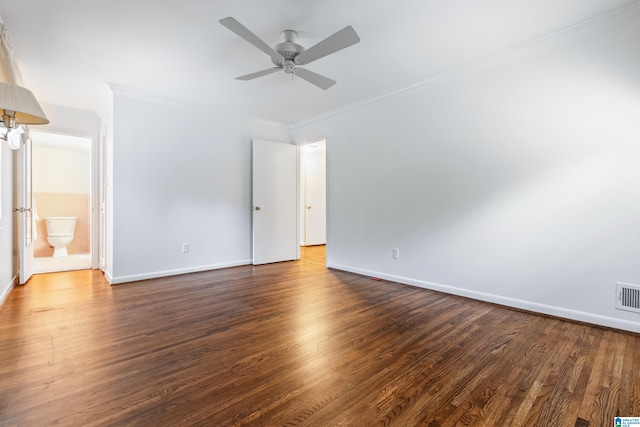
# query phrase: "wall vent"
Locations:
[[628, 297]]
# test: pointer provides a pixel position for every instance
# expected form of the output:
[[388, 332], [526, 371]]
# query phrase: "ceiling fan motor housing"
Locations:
[[288, 48]]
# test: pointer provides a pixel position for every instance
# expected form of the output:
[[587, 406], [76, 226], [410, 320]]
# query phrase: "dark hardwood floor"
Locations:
[[293, 344]]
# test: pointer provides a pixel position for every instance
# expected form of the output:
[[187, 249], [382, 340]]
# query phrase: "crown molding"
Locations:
[[548, 41], [52, 107], [174, 102]]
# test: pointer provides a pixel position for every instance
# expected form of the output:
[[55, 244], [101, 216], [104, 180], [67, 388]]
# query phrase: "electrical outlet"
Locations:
[[396, 253], [185, 248]]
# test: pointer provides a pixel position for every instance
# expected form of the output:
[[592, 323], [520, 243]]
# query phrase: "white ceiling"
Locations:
[[68, 50]]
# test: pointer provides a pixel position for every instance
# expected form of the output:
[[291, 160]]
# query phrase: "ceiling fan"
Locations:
[[290, 56]]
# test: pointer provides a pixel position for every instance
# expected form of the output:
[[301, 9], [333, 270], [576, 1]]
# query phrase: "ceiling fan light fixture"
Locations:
[[289, 66]]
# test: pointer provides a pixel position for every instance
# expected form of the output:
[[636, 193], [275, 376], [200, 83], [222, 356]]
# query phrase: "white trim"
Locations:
[[617, 16], [174, 102], [565, 313], [65, 132], [5, 294], [108, 276], [175, 272]]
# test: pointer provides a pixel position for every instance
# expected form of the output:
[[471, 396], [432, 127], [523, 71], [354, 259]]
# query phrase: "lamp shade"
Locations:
[[14, 98]]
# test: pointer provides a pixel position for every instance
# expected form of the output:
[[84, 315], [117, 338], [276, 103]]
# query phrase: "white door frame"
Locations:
[[303, 187], [94, 207]]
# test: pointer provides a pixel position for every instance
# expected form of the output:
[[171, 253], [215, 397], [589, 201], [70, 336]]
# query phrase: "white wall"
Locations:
[[181, 174], [8, 256], [518, 184], [57, 170]]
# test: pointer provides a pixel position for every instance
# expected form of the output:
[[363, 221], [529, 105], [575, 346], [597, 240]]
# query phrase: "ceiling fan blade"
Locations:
[[259, 73], [342, 39], [233, 25], [322, 82]]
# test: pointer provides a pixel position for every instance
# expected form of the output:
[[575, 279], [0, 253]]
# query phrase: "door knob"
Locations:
[[257, 208], [308, 207]]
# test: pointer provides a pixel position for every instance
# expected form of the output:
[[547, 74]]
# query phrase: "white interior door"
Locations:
[[275, 201], [25, 210], [315, 194]]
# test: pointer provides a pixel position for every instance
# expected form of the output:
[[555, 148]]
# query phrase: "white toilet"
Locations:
[[60, 231]]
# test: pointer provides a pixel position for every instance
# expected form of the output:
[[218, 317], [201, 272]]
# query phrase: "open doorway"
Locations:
[[61, 179], [313, 194]]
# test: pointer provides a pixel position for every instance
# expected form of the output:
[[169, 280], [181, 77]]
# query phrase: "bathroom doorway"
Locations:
[[61, 190]]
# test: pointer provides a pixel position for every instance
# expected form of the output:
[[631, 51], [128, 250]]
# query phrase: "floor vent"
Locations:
[[628, 297]]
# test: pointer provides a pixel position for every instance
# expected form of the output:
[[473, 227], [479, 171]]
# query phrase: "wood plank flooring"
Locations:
[[294, 344]]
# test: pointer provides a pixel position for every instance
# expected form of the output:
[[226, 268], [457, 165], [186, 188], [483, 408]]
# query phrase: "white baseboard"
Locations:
[[108, 276], [153, 275], [564, 313], [7, 290]]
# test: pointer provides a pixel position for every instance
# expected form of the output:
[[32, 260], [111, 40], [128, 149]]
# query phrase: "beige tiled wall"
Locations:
[[63, 204]]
